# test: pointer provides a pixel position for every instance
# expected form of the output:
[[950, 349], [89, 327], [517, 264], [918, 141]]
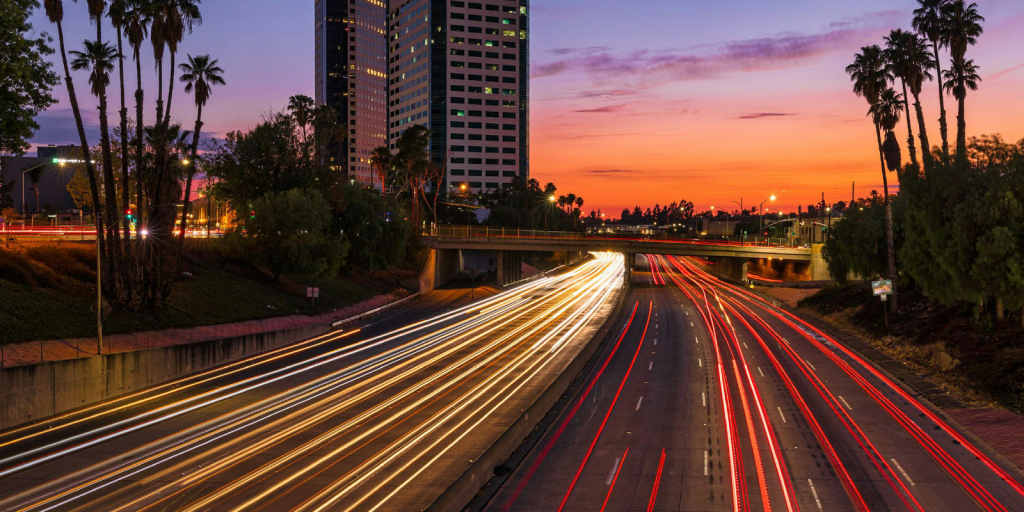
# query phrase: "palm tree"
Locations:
[[870, 78], [908, 58], [957, 82], [98, 58], [886, 113], [55, 13], [928, 22], [117, 12], [199, 74], [961, 28], [301, 107], [158, 38], [136, 18], [179, 16], [35, 176], [381, 160]]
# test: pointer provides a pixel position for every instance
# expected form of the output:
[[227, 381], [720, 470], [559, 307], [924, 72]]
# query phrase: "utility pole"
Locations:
[[99, 297], [853, 193]]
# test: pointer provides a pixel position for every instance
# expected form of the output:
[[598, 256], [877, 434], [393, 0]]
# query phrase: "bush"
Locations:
[[77, 263], [18, 268], [289, 233]]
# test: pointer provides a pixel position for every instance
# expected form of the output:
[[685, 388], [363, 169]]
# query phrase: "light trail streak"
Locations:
[[575, 297]]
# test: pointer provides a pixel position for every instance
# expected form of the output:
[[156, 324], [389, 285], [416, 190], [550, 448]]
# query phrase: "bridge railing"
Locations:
[[489, 232], [505, 233]]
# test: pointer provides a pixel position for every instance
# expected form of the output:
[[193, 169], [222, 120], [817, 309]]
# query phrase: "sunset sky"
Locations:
[[640, 102]]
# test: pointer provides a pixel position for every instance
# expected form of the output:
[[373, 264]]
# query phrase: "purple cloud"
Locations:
[[608, 109], [760, 115]]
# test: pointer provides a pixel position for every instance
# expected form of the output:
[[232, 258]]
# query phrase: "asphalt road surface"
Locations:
[[379, 418], [706, 397]]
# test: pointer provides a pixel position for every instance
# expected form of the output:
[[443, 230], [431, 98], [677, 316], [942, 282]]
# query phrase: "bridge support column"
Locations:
[[510, 267], [574, 257], [819, 269], [630, 261], [735, 268], [442, 266]]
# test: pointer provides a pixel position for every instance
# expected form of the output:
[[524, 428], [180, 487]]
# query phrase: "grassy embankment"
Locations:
[[47, 289], [981, 360]]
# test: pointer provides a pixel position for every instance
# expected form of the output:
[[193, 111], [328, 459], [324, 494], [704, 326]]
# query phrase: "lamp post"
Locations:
[[551, 204], [760, 210]]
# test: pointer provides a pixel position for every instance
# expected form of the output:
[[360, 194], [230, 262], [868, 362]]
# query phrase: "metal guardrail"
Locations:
[[513, 233]]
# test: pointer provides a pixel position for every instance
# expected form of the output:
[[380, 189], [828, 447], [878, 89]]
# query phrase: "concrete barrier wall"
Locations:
[[28, 393]]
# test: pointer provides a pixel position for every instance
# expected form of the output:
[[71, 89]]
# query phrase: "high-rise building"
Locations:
[[351, 76], [462, 70]]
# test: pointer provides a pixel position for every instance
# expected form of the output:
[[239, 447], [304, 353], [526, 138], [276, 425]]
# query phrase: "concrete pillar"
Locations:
[[735, 268], [629, 259], [819, 269], [510, 267]]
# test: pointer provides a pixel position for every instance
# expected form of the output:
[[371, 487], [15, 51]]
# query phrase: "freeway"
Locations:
[[704, 396], [384, 417]]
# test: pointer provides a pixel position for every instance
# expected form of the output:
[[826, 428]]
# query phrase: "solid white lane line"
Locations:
[[759, 371], [638, 404], [905, 475], [615, 468], [845, 402], [783, 415], [815, 493]]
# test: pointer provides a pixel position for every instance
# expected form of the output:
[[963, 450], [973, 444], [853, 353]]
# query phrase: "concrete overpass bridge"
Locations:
[[735, 259]]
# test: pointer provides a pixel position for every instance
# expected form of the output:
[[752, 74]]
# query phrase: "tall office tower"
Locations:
[[351, 76], [462, 70]]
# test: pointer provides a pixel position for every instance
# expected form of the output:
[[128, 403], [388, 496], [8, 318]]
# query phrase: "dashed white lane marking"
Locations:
[[759, 371], [745, 345], [611, 476], [704, 399], [691, 324], [696, 340], [811, 365], [813, 491], [650, 366], [905, 475], [845, 403], [699, 363], [655, 341], [705, 463], [638, 402], [783, 415]]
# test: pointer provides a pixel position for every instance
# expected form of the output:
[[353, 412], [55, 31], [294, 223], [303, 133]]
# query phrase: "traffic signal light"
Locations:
[[129, 214]]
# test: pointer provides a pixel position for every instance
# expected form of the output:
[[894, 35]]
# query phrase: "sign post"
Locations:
[[312, 293], [883, 289]]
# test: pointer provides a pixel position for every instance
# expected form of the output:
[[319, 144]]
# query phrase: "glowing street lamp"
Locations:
[[760, 210]]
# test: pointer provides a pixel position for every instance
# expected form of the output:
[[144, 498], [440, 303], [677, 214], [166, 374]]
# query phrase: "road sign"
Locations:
[[313, 293], [881, 288], [105, 312]]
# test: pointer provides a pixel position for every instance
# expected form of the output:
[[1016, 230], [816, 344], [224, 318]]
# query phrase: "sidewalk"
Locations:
[[34, 352]]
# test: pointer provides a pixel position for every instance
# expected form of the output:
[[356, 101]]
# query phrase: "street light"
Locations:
[[760, 210]]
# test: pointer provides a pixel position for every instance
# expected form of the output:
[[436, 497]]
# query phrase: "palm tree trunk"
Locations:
[[961, 123], [124, 139], [159, 91], [890, 239], [110, 202], [910, 126], [926, 152], [89, 169], [188, 182], [139, 142], [943, 128], [170, 93]]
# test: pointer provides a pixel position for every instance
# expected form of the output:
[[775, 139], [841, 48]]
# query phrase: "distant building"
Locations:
[[54, 165], [462, 70], [351, 76]]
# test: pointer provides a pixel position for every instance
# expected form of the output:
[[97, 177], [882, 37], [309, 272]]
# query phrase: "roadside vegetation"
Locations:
[[47, 290], [952, 239]]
